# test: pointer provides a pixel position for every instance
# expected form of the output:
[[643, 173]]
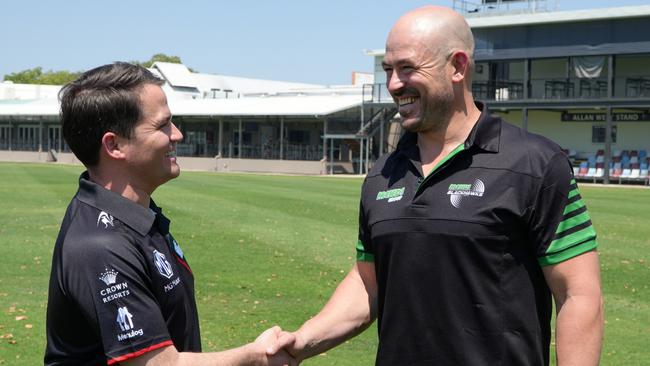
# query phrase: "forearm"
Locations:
[[579, 331], [252, 354], [240, 356], [329, 329], [350, 310]]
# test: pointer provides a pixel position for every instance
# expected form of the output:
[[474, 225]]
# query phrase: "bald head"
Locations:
[[439, 29]]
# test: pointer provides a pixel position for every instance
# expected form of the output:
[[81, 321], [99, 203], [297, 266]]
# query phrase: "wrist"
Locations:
[[254, 354], [300, 347]]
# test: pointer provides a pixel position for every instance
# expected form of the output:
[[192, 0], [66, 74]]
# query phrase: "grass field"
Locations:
[[270, 250]]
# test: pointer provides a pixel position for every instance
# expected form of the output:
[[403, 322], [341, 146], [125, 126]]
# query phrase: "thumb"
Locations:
[[284, 339]]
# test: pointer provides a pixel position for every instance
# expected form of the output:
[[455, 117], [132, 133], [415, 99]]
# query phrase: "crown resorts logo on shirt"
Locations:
[[391, 195], [458, 191]]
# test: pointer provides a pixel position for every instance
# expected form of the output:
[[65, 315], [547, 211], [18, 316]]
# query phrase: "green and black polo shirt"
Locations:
[[458, 254]]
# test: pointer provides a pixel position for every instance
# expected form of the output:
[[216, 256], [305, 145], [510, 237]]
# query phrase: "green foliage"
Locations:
[[159, 57], [37, 76], [270, 250]]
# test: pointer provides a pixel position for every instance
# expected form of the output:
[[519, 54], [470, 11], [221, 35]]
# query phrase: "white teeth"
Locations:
[[405, 101]]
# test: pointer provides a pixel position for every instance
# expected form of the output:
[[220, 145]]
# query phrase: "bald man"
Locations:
[[467, 232]]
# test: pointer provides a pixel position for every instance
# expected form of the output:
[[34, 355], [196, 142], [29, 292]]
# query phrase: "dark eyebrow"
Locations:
[[397, 63]]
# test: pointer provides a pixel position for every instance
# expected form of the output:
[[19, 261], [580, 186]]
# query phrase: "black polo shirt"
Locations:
[[458, 254], [120, 285]]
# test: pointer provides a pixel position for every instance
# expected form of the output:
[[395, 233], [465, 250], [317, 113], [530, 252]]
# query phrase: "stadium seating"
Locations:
[[600, 170], [625, 165], [591, 171], [583, 169], [625, 173], [635, 171], [616, 170], [576, 170], [643, 172]]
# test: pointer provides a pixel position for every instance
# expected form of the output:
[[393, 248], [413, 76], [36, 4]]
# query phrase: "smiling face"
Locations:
[[418, 74], [150, 153]]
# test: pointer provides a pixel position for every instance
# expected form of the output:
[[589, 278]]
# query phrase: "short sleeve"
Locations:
[[108, 279], [560, 226], [365, 251]]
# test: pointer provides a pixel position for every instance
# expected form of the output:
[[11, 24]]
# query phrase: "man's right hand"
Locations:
[[274, 344], [287, 342]]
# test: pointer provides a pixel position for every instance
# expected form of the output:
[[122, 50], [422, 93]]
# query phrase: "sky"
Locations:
[[310, 41]]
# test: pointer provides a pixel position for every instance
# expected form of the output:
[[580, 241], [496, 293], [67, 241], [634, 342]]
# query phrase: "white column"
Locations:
[[220, 141], [281, 137], [240, 140]]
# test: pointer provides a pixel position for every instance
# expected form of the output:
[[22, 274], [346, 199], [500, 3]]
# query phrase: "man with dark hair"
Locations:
[[121, 289], [467, 231]]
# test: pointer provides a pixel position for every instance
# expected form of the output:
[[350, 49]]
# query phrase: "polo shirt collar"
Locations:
[[485, 135], [486, 132], [130, 213]]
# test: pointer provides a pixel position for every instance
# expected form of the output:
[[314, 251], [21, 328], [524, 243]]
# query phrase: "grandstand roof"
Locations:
[[558, 16], [296, 105], [179, 76], [489, 21]]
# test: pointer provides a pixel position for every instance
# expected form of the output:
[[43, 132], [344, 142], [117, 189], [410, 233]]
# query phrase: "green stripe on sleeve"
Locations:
[[570, 240], [573, 193], [562, 256], [573, 206], [362, 255], [572, 222]]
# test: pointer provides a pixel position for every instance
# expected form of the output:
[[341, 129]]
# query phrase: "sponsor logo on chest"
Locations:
[[163, 266], [391, 195], [459, 192], [165, 269]]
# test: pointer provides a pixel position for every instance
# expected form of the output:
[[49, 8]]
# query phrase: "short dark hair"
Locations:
[[104, 99]]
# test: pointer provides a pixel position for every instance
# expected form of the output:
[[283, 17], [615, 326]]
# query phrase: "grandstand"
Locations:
[[577, 77], [229, 123]]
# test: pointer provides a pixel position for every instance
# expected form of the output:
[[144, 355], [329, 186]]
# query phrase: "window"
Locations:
[[299, 137], [5, 136], [598, 134], [27, 138]]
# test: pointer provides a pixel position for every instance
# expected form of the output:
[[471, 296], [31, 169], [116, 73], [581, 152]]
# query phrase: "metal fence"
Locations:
[[251, 151]]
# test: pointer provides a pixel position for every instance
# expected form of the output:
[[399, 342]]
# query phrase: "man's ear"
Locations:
[[113, 146], [460, 62]]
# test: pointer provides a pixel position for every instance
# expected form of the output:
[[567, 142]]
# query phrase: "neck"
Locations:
[[435, 145], [118, 183]]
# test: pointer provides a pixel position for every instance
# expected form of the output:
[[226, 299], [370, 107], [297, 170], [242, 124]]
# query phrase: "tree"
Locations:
[[37, 76], [160, 57]]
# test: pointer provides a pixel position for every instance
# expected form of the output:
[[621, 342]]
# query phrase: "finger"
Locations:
[[283, 340], [270, 333]]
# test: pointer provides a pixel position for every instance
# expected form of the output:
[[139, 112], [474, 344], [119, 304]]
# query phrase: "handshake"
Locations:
[[276, 347]]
